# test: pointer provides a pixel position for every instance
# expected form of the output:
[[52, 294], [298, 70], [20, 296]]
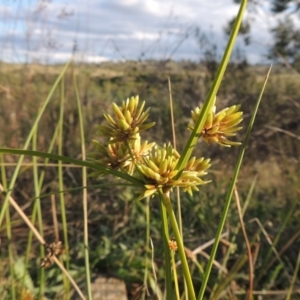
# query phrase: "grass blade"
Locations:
[[84, 196], [230, 192], [29, 137], [73, 161], [190, 145]]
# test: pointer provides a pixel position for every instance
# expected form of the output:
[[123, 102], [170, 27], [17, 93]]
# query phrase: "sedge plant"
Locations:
[[155, 166], [156, 171]]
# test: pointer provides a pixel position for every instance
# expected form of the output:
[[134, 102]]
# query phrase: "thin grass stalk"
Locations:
[[230, 192], [295, 276], [84, 196], [51, 146], [15, 205], [290, 242], [11, 257], [147, 219], [235, 233], [192, 141], [33, 128], [36, 207], [198, 265], [167, 256], [135, 182], [33, 215], [29, 242], [175, 278], [278, 255], [39, 215], [153, 280], [282, 227], [54, 218], [61, 188], [234, 271], [9, 235], [179, 216], [248, 247], [172, 113], [94, 186], [178, 238]]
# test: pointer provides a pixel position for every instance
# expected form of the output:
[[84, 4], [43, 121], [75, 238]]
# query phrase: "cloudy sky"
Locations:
[[98, 30]]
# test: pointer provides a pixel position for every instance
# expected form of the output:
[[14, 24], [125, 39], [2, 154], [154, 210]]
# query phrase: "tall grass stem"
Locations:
[[230, 192], [84, 191]]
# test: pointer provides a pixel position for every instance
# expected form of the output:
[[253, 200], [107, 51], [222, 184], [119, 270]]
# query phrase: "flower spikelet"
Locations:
[[159, 171], [128, 121], [194, 169], [120, 155], [219, 126]]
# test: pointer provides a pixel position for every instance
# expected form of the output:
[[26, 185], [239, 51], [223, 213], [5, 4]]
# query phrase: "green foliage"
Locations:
[[286, 41], [270, 152], [279, 6], [286, 36], [117, 226]]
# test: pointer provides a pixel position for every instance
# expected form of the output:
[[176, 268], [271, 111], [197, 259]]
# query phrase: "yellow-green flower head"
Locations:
[[114, 156], [122, 156], [159, 173], [219, 126], [128, 121]]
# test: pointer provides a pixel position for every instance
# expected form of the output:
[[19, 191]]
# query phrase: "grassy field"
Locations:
[[268, 184]]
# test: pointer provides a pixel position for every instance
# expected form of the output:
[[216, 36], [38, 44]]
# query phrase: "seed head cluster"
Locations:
[[156, 166], [159, 171], [128, 122], [219, 126], [124, 148]]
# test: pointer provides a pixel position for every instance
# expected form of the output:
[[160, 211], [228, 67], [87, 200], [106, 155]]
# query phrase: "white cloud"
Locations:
[[118, 29]]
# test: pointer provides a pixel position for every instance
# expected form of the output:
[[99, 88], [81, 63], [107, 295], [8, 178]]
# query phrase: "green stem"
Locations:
[[147, 216], [175, 275], [77, 162], [38, 211], [210, 100], [165, 231], [266, 260], [61, 187], [84, 198], [28, 139], [233, 239], [9, 237], [185, 267], [229, 194], [295, 276]]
